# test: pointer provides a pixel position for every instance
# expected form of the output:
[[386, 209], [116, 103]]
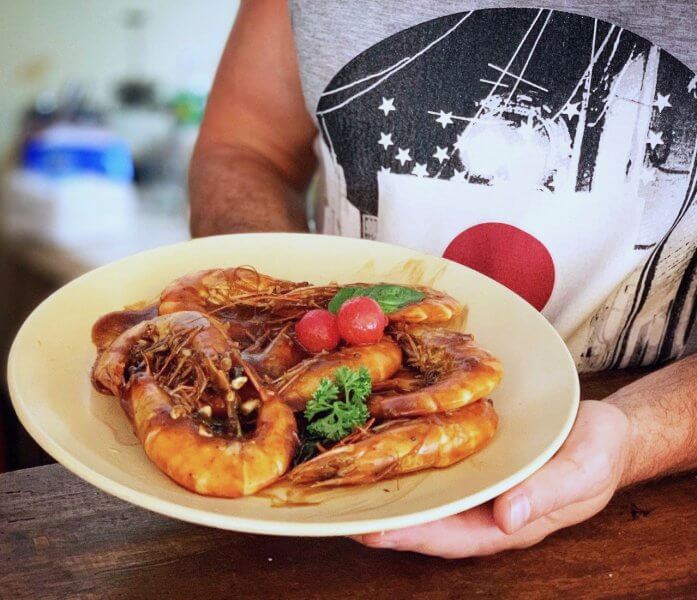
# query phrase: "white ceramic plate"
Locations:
[[88, 433]]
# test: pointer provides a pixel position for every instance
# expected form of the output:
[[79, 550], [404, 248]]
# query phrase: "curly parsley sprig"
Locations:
[[338, 407]]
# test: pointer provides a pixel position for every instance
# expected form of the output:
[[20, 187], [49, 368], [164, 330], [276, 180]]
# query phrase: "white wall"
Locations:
[[46, 43]]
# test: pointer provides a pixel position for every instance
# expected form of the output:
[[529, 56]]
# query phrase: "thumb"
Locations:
[[582, 469]]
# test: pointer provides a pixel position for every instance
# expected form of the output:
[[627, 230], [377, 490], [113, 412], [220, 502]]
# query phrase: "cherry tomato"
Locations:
[[361, 321], [318, 331]]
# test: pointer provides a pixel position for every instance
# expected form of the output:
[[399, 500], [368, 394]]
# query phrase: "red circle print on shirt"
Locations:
[[509, 255]]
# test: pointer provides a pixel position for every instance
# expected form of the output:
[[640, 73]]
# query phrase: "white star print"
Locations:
[[440, 154], [403, 156], [655, 139], [648, 176], [459, 176], [444, 118], [385, 170], [387, 105], [571, 110], [385, 140], [420, 170], [662, 102]]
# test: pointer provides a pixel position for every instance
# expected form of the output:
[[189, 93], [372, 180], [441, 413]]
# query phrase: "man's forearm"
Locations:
[[662, 411], [234, 191]]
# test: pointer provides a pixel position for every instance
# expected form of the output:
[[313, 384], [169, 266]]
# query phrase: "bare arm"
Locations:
[[253, 158], [662, 413]]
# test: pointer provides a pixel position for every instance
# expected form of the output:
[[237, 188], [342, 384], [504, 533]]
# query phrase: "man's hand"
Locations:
[[644, 430], [576, 484]]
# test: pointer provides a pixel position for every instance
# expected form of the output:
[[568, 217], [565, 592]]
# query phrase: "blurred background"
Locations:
[[100, 103]]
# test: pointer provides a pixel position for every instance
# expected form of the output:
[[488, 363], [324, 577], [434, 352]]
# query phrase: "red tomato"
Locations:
[[361, 321], [317, 331]]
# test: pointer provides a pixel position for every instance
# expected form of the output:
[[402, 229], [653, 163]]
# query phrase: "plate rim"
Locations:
[[200, 516]]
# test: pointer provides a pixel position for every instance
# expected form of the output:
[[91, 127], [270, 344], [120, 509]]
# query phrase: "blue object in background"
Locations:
[[67, 150]]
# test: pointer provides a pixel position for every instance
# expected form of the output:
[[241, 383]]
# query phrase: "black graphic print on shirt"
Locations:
[[550, 151]]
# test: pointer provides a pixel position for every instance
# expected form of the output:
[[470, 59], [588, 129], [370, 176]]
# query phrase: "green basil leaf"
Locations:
[[390, 297], [345, 294], [393, 297]]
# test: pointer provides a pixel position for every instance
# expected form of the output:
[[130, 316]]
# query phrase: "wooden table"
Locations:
[[62, 538]]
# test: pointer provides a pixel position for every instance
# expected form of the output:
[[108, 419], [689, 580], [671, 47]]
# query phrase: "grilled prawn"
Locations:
[[186, 390], [253, 306], [242, 292], [214, 289], [296, 386], [453, 372], [401, 447]]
